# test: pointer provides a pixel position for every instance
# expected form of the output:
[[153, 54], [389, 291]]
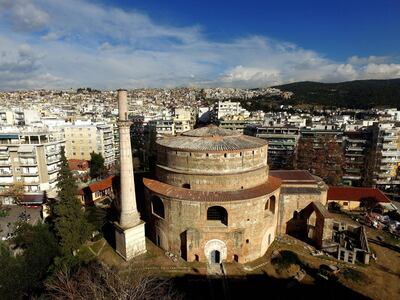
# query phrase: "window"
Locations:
[[345, 203], [158, 207], [217, 213], [186, 185], [272, 204], [266, 207]]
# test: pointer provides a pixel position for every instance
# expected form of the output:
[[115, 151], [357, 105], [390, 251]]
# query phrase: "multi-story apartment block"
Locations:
[[282, 142], [31, 158], [82, 138], [238, 125], [183, 120], [359, 148], [318, 130], [387, 165], [161, 127], [224, 108]]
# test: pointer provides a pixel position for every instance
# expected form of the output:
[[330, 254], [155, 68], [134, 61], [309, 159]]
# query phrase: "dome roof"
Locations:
[[210, 131], [211, 138]]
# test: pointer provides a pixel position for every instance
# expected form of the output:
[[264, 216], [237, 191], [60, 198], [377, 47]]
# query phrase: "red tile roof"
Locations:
[[101, 185], [167, 190], [355, 194], [293, 175]]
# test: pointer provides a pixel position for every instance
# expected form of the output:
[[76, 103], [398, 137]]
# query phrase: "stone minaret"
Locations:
[[129, 213], [130, 237]]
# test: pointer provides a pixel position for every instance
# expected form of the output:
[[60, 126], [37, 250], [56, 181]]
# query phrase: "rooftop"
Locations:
[[211, 138], [101, 185], [293, 176], [164, 189], [356, 194]]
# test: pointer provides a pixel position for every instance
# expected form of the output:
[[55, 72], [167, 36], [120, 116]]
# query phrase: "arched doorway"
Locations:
[[215, 251], [215, 257]]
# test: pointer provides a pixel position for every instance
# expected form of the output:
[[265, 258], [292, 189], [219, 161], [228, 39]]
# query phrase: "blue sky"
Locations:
[[109, 44]]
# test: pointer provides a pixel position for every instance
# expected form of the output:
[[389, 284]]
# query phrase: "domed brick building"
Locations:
[[215, 200]]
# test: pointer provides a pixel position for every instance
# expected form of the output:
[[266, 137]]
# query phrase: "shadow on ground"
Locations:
[[260, 287]]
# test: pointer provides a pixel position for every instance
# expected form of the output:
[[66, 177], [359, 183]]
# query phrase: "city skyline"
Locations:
[[110, 44]]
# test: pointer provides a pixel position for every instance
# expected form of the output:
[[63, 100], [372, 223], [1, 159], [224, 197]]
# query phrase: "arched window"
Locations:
[[266, 207], [186, 185], [272, 204], [157, 207], [217, 213]]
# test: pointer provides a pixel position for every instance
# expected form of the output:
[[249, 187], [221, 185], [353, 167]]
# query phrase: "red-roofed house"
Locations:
[[350, 198], [97, 191]]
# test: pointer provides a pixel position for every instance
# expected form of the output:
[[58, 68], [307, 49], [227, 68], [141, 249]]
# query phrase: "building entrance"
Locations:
[[215, 257]]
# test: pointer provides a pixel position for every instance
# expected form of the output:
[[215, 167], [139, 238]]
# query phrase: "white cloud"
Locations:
[[24, 15], [381, 71], [85, 44], [357, 60]]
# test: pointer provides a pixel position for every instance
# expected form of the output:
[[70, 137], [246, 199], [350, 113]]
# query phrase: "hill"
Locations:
[[351, 94]]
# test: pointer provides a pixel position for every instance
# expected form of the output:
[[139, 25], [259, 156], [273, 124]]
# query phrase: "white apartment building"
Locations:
[[388, 155], [183, 120], [29, 156], [19, 117], [224, 108], [161, 127], [83, 138]]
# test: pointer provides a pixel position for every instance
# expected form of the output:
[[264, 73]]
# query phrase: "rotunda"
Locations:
[[213, 199]]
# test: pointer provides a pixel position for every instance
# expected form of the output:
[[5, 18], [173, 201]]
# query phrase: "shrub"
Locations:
[[285, 259]]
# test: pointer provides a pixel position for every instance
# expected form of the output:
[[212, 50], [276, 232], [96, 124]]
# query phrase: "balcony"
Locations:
[[52, 150], [5, 163], [385, 167], [31, 162], [392, 146], [52, 171], [29, 174], [390, 138], [351, 177], [356, 149], [27, 154], [354, 154], [390, 160], [390, 153], [32, 182], [53, 159], [6, 174]]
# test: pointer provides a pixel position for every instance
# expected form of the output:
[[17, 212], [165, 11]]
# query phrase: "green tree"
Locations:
[[97, 167], [70, 225], [22, 276]]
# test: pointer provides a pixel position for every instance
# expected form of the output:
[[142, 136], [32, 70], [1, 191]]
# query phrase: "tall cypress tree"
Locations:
[[70, 225]]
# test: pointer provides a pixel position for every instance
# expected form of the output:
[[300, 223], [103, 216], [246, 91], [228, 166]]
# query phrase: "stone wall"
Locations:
[[212, 162], [207, 182], [294, 199], [185, 230]]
